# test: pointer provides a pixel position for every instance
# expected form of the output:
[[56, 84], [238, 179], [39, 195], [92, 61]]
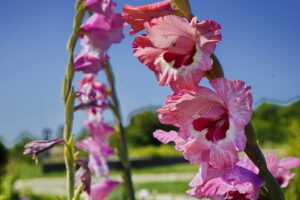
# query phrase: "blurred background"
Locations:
[[260, 45]]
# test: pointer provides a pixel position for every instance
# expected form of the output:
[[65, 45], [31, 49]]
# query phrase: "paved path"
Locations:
[[56, 186]]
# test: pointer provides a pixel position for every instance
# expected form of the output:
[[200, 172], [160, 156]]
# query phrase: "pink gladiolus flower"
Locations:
[[136, 16], [100, 191], [105, 7], [92, 92], [211, 122], [89, 64], [96, 126], [233, 184], [98, 154], [102, 32], [178, 52], [98, 32], [278, 168]]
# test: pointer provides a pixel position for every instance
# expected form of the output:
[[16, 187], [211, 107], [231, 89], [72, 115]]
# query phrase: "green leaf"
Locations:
[[182, 7]]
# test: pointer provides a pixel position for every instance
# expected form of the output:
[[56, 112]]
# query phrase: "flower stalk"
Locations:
[[69, 98], [122, 144], [254, 153]]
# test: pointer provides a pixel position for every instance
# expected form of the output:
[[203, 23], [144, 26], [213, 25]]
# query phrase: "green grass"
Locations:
[[28, 170], [176, 187], [24, 170], [176, 168]]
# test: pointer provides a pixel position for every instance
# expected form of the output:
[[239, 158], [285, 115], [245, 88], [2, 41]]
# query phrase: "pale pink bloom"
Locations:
[[178, 52], [211, 122], [96, 125], [92, 92], [278, 168], [136, 16], [98, 154], [105, 7], [98, 33], [102, 32], [237, 183], [101, 191], [87, 63]]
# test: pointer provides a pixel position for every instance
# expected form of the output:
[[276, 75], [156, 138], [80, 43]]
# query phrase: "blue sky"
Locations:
[[260, 45]]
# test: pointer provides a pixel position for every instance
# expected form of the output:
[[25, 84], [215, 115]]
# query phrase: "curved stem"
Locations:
[[69, 97], [254, 153], [122, 144]]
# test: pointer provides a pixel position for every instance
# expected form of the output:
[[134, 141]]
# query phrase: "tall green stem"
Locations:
[[69, 97], [122, 144], [254, 153]]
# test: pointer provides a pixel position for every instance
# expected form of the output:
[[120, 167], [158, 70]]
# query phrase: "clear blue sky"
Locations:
[[260, 45]]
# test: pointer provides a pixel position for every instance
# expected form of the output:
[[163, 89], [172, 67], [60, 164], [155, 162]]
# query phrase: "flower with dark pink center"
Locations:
[[176, 50], [211, 122]]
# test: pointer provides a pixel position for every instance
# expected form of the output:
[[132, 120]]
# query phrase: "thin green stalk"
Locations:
[[69, 97], [254, 153], [122, 144], [78, 192]]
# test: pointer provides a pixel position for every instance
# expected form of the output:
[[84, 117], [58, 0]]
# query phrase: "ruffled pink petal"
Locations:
[[223, 155], [237, 98], [105, 7], [195, 153], [166, 31], [183, 106], [208, 34], [248, 164], [237, 135], [101, 191], [88, 64], [165, 137], [98, 164], [144, 50], [103, 32], [220, 184], [98, 129], [136, 16], [290, 162]]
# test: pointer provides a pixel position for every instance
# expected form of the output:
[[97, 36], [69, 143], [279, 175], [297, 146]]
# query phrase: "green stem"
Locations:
[[69, 97], [254, 153], [122, 144], [78, 192]]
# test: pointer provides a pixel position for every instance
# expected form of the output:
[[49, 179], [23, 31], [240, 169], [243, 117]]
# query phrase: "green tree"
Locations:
[[3, 159], [141, 127]]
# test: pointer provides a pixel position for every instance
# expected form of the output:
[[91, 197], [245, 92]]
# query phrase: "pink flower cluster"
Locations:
[[100, 30], [211, 122]]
